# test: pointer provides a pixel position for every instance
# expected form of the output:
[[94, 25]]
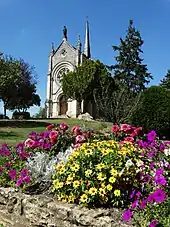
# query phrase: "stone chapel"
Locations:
[[62, 60]]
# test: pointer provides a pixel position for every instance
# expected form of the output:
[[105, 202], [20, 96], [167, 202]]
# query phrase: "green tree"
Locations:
[[166, 81], [153, 111], [17, 84], [80, 83], [129, 68], [41, 113]]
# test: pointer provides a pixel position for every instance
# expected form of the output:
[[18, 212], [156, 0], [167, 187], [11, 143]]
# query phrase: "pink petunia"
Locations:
[[125, 128], [80, 139], [77, 130], [63, 126], [115, 129], [129, 139], [29, 143], [54, 134], [50, 127]]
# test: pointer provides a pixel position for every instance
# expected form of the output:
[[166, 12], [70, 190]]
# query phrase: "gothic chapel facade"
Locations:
[[62, 60]]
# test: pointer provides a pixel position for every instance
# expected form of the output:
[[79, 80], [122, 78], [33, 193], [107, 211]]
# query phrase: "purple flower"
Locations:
[[127, 214], [159, 171], [27, 179], [151, 136], [160, 180], [24, 172], [19, 182], [1, 169], [162, 147], [147, 178], [6, 153], [143, 204], [153, 223], [150, 198], [159, 195], [134, 204], [12, 174]]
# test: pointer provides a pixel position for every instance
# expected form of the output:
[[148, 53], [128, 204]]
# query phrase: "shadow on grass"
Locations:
[[7, 135], [22, 124]]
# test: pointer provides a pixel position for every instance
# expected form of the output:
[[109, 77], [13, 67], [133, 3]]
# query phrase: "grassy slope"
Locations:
[[12, 132]]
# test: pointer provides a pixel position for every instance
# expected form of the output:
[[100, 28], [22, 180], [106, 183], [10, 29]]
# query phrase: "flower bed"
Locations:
[[123, 169]]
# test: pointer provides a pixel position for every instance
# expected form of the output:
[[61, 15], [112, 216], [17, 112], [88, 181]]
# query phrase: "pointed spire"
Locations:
[[87, 41], [52, 48]]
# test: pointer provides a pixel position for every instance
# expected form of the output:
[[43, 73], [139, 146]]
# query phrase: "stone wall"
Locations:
[[21, 210]]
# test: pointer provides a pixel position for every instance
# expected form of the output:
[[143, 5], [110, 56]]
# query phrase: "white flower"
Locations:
[[139, 163], [167, 152], [129, 163]]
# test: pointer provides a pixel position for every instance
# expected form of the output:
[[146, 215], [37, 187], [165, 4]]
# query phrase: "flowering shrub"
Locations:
[[56, 139], [149, 201], [98, 173], [12, 166]]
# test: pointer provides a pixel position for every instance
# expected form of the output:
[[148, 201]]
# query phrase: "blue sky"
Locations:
[[29, 26]]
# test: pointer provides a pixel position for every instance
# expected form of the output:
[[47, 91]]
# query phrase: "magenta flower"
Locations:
[[159, 195], [134, 204], [27, 179], [160, 180], [153, 223], [19, 182], [12, 174], [151, 136], [143, 204], [24, 172], [150, 198], [127, 214], [159, 171], [77, 130]]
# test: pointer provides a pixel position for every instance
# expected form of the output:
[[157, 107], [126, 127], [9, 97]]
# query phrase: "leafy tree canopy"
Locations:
[[17, 84]]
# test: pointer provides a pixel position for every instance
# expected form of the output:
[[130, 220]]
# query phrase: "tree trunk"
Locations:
[[78, 107], [4, 110]]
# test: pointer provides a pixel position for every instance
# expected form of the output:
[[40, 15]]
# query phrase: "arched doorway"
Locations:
[[63, 105]]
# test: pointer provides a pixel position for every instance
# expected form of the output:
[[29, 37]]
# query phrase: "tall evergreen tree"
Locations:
[[166, 81], [129, 68]]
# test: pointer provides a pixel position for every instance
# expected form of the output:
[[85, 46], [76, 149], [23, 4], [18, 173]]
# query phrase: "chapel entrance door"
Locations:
[[63, 105]]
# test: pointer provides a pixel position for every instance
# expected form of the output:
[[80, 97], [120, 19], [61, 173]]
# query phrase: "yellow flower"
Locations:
[[105, 151], [112, 180], [62, 170], [88, 172], [76, 184], [75, 167], [88, 152], [102, 192], [100, 166], [103, 185], [59, 167], [84, 198], [113, 172], [117, 192], [92, 191], [71, 198], [75, 154], [101, 177], [60, 184], [109, 187]]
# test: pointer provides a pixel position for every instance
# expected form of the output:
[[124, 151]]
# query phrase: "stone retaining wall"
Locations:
[[21, 210]]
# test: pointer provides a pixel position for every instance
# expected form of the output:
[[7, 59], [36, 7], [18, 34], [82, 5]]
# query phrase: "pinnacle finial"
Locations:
[[65, 32], [79, 45]]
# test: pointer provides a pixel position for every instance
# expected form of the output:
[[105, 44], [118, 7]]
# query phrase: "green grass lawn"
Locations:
[[12, 132]]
